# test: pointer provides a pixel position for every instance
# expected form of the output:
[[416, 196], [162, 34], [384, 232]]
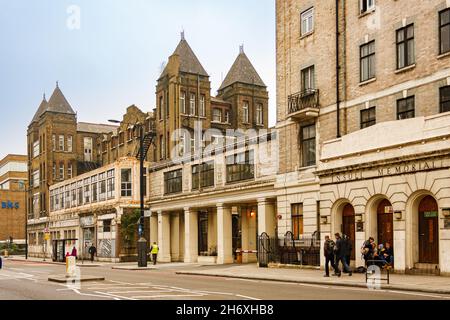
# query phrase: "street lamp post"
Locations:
[[142, 242]]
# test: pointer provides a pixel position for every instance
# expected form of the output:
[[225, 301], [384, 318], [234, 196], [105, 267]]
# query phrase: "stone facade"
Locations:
[[371, 178]]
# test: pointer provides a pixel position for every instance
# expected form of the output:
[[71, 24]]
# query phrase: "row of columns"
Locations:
[[161, 229]]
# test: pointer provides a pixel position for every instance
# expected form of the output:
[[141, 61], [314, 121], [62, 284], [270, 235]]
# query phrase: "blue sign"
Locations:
[[10, 205]]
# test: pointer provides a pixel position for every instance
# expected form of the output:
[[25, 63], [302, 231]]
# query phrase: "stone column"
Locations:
[[191, 236], [153, 228], [164, 237], [224, 235], [266, 217], [175, 237]]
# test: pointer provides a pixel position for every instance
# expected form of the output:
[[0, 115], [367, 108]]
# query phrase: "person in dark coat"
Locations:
[[328, 248], [92, 252], [348, 249], [367, 250], [341, 252]]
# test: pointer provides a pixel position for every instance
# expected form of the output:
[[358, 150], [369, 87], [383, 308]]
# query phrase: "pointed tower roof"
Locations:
[[189, 62], [242, 71], [58, 103], [42, 108]]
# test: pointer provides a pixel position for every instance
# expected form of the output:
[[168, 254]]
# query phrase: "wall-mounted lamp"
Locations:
[[359, 218], [252, 213], [324, 219], [398, 215], [446, 212]]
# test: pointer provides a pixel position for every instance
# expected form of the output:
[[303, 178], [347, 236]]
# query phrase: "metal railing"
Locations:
[[304, 251], [303, 100]]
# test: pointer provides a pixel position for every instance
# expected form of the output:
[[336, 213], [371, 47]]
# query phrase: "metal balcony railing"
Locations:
[[307, 99]]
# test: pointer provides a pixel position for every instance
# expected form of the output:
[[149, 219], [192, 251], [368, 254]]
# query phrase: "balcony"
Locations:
[[303, 105]]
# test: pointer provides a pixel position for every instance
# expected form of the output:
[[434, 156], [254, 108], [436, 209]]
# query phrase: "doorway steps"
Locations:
[[424, 269]]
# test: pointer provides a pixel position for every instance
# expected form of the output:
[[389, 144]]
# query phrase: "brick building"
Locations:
[[363, 93], [13, 184]]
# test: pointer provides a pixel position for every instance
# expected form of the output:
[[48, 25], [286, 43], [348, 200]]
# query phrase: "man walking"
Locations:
[[341, 252], [328, 249], [92, 252], [154, 252]]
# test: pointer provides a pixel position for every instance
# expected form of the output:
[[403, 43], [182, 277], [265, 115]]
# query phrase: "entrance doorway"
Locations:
[[385, 224], [348, 226], [428, 231]]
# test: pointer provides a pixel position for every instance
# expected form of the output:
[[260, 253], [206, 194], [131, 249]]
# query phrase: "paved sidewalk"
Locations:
[[429, 284]]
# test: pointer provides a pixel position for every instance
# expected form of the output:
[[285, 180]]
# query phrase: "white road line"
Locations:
[[115, 296], [247, 297], [91, 295], [169, 296], [245, 280], [114, 287], [143, 291], [313, 285], [419, 294]]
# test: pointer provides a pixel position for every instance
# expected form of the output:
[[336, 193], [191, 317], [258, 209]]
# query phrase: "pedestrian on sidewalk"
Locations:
[[92, 252], [74, 252], [348, 248], [154, 252], [328, 248], [341, 251]]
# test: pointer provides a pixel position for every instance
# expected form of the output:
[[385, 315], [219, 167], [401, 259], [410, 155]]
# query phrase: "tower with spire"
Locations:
[[48, 140], [183, 96], [246, 91]]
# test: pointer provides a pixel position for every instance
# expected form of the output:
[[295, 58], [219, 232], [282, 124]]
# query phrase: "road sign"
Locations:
[[47, 236]]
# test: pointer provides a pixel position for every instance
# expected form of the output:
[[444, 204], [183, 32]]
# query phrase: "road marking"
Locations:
[[169, 296], [247, 297], [245, 280], [419, 294], [114, 287], [143, 291], [115, 296]]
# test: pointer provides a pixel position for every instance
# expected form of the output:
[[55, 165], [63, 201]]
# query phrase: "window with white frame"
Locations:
[[54, 142], [61, 171], [110, 184], [308, 79], [307, 21], [202, 106], [36, 149], [126, 183], [36, 180], [87, 190], [245, 112], [227, 116], [88, 149], [102, 186], [69, 171], [192, 105], [217, 115], [259, 114], [183, 102], [94, 189], [69, 143], [367, 5], [61, 143]]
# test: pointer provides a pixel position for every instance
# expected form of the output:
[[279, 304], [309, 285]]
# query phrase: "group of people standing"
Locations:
[[340, 251]]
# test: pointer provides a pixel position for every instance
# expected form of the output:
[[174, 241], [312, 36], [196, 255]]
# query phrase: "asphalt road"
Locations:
[[29, 281]]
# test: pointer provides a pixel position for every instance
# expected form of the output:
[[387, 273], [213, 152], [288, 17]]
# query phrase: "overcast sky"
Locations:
[[114, 58]]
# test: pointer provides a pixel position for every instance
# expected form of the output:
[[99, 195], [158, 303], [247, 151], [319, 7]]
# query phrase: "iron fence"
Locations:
[[288, 250]]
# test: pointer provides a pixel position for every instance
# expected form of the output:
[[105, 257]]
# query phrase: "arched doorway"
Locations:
[[385, 223], [428, 231], [348, 225]]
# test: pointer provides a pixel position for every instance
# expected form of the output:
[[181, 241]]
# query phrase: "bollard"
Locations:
[[1, 262]]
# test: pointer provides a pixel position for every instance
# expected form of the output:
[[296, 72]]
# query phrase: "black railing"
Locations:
[[303, 100], [290, 251]]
